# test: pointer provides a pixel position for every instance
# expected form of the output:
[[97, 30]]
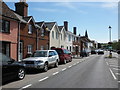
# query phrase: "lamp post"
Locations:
[[110, 54]]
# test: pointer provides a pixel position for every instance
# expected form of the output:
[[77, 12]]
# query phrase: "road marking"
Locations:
[[74, 64], [70, 66], [112, 74], [117, 73], [116, 69], [55, 73], [43, 79], [77, 62], [107, 63], [114, 66], [26, 86], [64, 69]]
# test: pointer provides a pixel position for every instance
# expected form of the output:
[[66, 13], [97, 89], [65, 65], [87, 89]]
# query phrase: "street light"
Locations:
[[110, 54]]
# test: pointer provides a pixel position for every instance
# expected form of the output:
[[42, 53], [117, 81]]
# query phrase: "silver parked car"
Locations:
[[42, 59]]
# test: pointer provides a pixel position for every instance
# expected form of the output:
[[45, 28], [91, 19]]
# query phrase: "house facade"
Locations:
[[27, 32], [42, 36], [54, 35], [62, 36], [9, 32]]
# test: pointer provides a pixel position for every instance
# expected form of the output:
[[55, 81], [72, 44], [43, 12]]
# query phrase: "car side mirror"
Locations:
[[11, 61]]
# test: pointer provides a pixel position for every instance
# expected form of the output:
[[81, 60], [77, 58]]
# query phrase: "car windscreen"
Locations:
[[59, 51], [40, 54]]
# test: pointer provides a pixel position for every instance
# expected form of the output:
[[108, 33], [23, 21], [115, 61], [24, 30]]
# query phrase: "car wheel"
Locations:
[[21, 73], [56, 64], [45, 67], [70, 60], [64, 61]]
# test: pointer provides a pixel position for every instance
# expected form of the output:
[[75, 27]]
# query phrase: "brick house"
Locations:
[[76, 42], [27, 32], [8, 32], [42, 36]]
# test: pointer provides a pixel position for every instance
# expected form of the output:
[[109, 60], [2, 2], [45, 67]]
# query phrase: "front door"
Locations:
[[20, 51]]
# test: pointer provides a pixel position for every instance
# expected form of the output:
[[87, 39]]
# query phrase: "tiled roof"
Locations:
[[50, 24], [6, 11]]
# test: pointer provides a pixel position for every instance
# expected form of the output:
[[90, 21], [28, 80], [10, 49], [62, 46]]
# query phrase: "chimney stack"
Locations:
[[74, 30], [66, 25], [22, 8]]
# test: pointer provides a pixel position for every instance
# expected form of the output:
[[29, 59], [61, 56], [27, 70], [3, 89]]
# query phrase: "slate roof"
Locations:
[[50, 24], [40, 23], [60, 28], [7, 12], [20, 18]]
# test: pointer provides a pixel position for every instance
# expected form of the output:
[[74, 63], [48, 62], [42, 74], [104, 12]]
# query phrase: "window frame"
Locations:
[[30, 31], [29, 49], [5, 29]]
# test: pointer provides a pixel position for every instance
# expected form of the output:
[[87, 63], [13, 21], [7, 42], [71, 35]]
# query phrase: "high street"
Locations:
[[94, 71]]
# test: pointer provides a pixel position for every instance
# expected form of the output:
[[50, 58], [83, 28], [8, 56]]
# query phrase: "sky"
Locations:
[[95, 17]]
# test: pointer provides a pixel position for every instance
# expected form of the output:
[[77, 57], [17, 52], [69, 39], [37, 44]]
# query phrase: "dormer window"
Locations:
[[42, 32], [30, 29]]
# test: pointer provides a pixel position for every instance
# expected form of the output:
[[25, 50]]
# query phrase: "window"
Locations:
[[6, 48], [52, 34], [61, 36], [29, 49], [70, 48], [69, 36], [51, 53], [30, 29], [56, 35], [42, 32], [42, 47], [5, 26]]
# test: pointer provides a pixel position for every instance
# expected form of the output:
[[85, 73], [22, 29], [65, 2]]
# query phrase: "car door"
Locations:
[[50, 58], [6, 69]]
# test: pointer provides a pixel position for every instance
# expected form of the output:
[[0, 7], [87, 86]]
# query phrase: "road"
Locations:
[[94, 71]]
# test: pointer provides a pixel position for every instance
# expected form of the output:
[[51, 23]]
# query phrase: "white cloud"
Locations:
[[71, 6], [48, 10], [110, 5]]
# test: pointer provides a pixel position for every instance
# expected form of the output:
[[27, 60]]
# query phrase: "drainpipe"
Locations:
[[18, 39]]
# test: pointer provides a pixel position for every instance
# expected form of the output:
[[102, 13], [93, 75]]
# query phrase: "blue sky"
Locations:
[[95, 17]]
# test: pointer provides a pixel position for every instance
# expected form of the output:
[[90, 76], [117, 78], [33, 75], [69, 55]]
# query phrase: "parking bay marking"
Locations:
[[70, 66], [64, 69], [112, 74], [116, 69], [55, 73], [26, 86], [43, 79]]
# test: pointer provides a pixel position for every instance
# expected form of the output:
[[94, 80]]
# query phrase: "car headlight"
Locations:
[[38, 62]]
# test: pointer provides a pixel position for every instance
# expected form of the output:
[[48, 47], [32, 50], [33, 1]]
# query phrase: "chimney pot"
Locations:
[[66, 25], [74, 30]]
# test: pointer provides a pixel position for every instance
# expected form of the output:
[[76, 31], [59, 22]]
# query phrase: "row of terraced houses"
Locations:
[[21, 35]]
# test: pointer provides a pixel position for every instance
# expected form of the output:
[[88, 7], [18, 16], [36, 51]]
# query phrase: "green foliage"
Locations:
[[116, 45]]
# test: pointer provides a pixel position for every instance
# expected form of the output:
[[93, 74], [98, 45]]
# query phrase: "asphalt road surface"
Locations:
[[94, 71]]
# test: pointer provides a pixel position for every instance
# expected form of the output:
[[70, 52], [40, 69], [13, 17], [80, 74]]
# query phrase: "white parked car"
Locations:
[[42, 59]]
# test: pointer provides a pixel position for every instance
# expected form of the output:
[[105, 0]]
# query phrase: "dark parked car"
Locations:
[[11, 69], [64, 55], [93, 52], [118, 51], [100, 52], [84, 53]]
